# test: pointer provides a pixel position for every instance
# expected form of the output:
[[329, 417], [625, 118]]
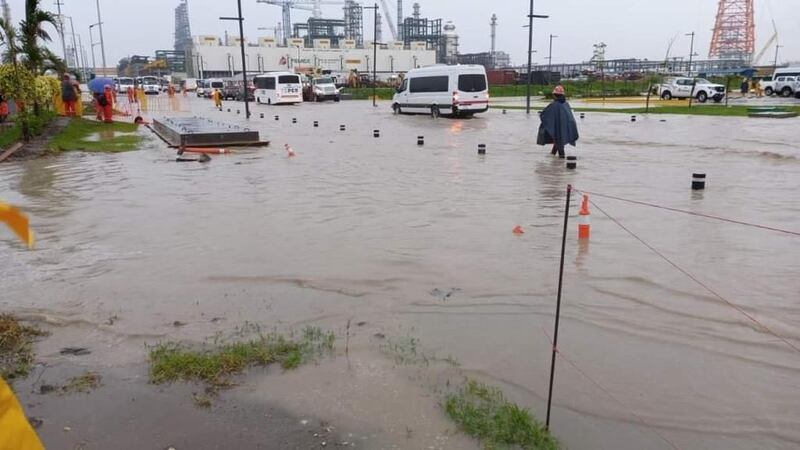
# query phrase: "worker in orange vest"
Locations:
[[217, 97], [108, 104]]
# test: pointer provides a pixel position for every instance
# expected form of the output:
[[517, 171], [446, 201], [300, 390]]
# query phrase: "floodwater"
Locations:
[[416, 241]]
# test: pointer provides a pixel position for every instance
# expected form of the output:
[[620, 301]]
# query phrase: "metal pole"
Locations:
[[775, 66], [375, 59], [102, 42], [530, 61], [691, 52], [61, 30], [82, 57], [558, 308], [91, 44], [550, 60], [74, 44]]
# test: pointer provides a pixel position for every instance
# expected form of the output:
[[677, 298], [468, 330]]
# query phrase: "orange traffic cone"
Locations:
[[289, 151], [518, 230], [584, 226]]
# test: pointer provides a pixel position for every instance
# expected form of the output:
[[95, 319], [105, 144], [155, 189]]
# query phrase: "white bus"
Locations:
[[277, 88], [450, 90]]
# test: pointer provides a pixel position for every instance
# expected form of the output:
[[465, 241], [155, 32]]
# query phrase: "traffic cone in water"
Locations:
[[518, 230], [584, 227], [289, 151]]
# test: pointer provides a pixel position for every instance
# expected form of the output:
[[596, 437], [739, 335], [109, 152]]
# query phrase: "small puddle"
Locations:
[[106, 135]]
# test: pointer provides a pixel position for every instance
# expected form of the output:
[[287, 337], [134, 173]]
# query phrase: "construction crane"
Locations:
[[315, 6], [388, 13], [770, 42]]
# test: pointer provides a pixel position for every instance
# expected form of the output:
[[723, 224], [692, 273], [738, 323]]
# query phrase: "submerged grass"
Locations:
[[484, 413], [696, 110], [16, 347], [91, 136], [172, 362], [82, 384]]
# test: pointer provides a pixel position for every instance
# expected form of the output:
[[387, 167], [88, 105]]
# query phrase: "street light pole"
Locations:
[[775, 66], [374, 54], [531, 16], [691, 52], [91, 44], [246, 93], [102, 42], [61, 30], [550, 59]]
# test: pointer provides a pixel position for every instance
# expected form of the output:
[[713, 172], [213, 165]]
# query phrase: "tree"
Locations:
[[31, 30], [8, 39]]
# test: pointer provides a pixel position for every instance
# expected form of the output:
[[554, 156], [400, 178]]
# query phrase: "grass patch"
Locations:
[[215, 366], [16, 347], [696, 110], [91, 136], [12, 132], [366, 93], [483, 412]]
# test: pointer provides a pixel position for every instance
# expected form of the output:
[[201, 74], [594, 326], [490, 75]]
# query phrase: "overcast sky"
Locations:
[[630, 28]]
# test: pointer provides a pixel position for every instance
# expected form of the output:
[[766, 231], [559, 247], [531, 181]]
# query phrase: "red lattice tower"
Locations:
[[735, 31]]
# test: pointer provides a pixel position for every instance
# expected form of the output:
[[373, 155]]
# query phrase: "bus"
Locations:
[[276, 88]]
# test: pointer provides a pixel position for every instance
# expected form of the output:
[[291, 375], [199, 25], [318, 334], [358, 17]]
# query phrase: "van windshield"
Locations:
[[472, 83], [324, 81], [217, 84], [125, 81], [289, 79]]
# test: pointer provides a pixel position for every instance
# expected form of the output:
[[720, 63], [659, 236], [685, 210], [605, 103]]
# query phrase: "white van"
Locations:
[[123, 84], [213, 84], [450, 90], [276, 88], [190, 84]]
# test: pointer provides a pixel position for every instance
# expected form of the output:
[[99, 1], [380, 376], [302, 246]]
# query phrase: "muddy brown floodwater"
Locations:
[[416, 242]]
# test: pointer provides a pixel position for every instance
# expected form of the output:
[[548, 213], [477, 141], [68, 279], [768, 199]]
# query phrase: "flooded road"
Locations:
[[416, 241]]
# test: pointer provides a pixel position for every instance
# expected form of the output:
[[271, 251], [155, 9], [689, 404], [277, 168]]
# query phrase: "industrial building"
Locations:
[[212, 57]]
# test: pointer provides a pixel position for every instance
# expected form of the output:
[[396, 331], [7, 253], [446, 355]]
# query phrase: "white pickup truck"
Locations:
[[684, 87]]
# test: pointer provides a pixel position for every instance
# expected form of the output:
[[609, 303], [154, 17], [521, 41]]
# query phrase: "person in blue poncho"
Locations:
[[558, 125]]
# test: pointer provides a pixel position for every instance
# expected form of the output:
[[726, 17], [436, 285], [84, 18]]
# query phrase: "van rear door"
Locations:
[[473, 92]]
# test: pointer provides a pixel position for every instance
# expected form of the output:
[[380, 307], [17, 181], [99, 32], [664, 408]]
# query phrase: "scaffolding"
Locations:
[[425, 30], [332, 29], [354, 22]]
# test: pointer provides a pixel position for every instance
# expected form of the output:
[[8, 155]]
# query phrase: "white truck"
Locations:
[[684, 87], [785, 85]]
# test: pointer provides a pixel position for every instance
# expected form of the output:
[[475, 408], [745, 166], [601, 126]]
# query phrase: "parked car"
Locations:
[[232, 90], [461, 90], [325, 89], [150, 85], [785, 85], [685, 87], [770, 87], [201, 88], [767, 85], [123, 84], [214, 83]]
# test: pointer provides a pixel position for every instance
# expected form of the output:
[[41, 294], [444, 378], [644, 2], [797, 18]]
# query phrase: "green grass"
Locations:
[[366, 93], [215, 366], [16, 347], [696, 110], [79, 133], [483, 412], [10, 135]]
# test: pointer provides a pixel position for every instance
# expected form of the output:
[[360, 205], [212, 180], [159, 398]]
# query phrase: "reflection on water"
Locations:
[[362, 227]]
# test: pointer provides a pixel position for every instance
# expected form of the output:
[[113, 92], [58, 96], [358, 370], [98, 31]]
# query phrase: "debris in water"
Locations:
[[444, 294], [36, 422], [518, 230], [75, 351], [178, 324]]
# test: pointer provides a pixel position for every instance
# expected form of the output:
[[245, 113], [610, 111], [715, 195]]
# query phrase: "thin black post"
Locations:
[[530, 56], [558, 307], [240, 19], [375, 59], [550, 59]]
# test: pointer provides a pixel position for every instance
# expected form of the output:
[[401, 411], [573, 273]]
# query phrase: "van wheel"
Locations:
[[666, 95], [787, 91], [702, 97], [435, 113], [396, 108]]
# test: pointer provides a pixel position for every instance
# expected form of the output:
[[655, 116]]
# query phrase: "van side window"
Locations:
[[471, 83], [430, 84]]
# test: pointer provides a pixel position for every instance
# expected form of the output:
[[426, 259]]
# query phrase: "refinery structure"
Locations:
[[340, 44]]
